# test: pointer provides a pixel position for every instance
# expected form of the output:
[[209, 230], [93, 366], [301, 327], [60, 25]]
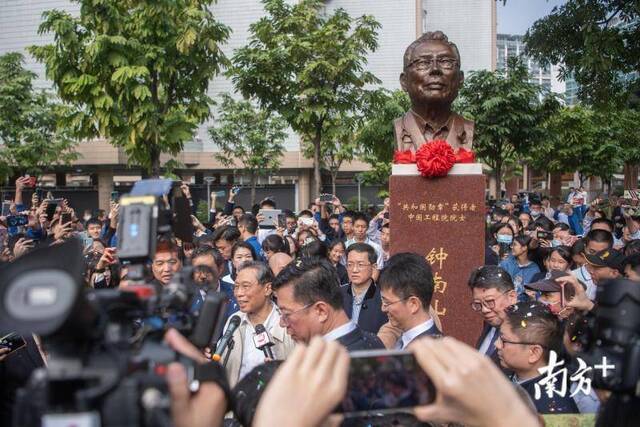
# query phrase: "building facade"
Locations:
[[470, 24], [512, 46]]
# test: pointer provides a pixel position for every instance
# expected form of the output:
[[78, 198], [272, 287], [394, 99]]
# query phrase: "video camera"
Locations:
[[154, 207], [611, 337], [107, 356]]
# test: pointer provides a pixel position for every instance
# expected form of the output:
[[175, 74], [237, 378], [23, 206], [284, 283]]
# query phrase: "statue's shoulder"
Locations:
[[399, 122], [463, 121]]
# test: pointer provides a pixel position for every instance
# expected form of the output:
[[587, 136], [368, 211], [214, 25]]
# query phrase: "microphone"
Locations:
[[234, 322], [263, 342]]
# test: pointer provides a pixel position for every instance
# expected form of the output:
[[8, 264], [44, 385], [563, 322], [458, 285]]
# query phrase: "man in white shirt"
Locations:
[[406, 287], [253, 293]]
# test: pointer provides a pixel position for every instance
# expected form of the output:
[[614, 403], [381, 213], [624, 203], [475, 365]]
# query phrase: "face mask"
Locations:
[[535, 214], [555, 243], [504, 238], [86, 217]]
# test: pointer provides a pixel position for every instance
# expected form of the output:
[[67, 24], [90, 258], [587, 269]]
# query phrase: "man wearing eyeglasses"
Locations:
[[406, 288], [252, 290], [492, 291], [432, 76], [361, 296], [527, 336], [310, 302]]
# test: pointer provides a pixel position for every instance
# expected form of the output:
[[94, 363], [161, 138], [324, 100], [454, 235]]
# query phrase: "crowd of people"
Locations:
[[322, 283]]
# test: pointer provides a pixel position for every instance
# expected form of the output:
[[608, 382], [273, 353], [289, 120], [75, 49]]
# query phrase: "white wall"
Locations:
[[470, 25]]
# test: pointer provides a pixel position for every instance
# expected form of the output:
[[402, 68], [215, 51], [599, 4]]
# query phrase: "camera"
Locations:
[[107, 355], [611, 337]]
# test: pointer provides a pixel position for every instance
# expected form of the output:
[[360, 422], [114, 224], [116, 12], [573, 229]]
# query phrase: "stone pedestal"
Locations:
[[444, 220]]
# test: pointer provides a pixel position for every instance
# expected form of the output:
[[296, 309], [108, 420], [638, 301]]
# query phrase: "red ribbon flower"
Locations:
[[465, 156], [435, 159], [404, 157]]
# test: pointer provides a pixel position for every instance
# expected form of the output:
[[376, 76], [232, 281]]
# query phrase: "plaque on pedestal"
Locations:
[[443, 219]]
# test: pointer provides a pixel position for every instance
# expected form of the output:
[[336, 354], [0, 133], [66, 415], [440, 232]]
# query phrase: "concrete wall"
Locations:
[[470, 25]]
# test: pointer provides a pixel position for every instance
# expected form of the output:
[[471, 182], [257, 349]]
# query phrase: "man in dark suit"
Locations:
[[406, 288], [361, 297], [492, 291], [208, 264], [15, 370], [310, 303]]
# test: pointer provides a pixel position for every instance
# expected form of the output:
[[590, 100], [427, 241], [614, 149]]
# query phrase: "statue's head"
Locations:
[[431, 72]]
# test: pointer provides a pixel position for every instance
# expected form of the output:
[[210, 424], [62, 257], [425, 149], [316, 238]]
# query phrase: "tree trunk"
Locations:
[[253, 188], [334, 176], [555, 185], [630, 176], [154, 153], [317, 178], [497, 174]]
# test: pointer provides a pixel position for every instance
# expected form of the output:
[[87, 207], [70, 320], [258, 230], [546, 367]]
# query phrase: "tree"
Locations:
[[376, 137], [577, 140], [307, 66], [137, 70], [31, 136], [508, 114], [596, 41], [623, 123], [338, 145], [253, 137]]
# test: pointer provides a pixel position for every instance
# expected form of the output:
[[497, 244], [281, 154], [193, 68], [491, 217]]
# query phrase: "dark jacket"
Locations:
[[360, 340], [342, 273], [371, 316], [550, 405], [15, 371], [492, 353], [433, 332]]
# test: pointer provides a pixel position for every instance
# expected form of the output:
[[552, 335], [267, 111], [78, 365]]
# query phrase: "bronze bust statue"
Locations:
[[431, 76]]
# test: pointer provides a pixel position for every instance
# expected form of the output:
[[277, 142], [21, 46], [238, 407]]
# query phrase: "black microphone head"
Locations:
[[260, 329], [234, 321]]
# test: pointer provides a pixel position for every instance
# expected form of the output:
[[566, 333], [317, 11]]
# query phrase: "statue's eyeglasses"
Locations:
[[423, 64]]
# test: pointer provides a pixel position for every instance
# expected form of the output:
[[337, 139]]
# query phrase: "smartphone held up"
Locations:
[[385, 382]]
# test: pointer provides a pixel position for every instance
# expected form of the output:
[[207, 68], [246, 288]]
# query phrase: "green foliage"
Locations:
[[250, 136], [508, 114], [584, 36], [578, 139], [307, 66], [623, 128], [137, 70], [338, 145], [202, 211], [376, 136], [352, 203], [32, 136]]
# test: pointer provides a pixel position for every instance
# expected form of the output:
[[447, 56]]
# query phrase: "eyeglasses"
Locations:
[[506, 341], [244, 287], [286, 317], [360, 265], [489, 303], [423, 64], [386, 303]]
